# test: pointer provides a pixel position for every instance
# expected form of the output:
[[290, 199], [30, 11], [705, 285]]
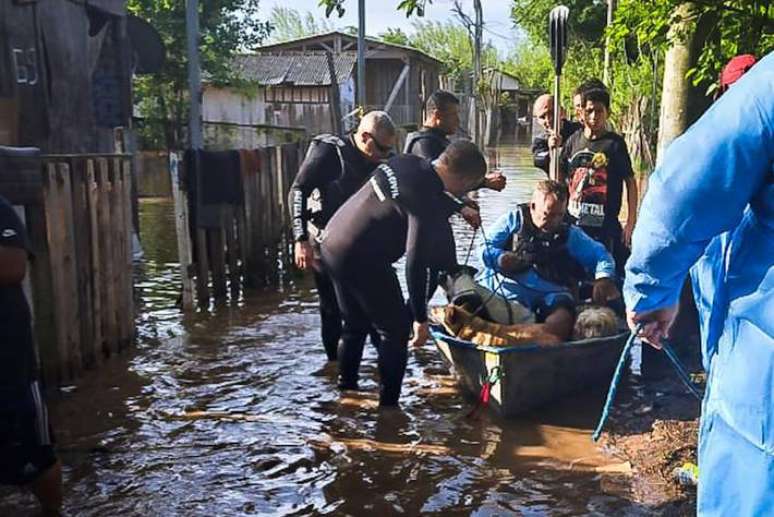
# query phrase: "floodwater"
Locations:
[[234, 411]]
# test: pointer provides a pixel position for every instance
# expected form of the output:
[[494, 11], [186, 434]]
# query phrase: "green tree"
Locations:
[[288, 24], [395, 36], [226, 28], [586, 23]]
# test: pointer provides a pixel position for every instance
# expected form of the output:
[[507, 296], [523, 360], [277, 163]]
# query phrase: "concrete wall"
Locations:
[[226, 105]]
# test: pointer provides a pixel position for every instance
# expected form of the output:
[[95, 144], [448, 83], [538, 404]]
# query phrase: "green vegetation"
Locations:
[[227, 27]]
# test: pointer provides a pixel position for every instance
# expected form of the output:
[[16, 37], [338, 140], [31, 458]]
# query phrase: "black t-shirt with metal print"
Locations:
[[595, 172], [17, 356]]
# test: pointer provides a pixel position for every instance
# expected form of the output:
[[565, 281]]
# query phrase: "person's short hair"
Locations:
[[464, 159], [440, 100], [596, 95], [377, 122], [589, 84], [553, 187]]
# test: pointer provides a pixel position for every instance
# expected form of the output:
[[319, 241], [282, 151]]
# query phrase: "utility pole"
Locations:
[[478, 33], [361, 87], [195, 138], [606, 74]]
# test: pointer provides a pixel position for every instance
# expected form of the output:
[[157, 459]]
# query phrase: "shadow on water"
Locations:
[[235, 411]]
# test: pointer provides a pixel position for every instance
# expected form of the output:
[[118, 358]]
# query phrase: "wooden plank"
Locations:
[[43, 299], [215, 242], [232, 252], [202, 269], [82, 241], [128, 287], [61, 246], [97, 279], [104, 214], [182, 229], [117, 237]]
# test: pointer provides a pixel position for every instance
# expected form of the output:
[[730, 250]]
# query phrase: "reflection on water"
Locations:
[[236, 412]]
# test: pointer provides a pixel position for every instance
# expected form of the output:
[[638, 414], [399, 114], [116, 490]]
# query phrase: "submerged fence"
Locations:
[[77, 210], [244, 242]]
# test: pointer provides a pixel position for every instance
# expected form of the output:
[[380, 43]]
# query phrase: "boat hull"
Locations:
[[532, 375]]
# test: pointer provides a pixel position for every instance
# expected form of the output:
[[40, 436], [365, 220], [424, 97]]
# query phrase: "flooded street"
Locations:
[[235, 411]]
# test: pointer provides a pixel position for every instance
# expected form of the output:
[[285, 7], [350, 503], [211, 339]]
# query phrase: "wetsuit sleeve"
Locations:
[[426, 148], [702, 188], [319, 168], [496, 238], [429, 249], [540, 155], [590, 254]]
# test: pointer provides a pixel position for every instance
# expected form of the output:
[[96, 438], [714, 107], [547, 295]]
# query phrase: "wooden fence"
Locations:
[[77, 210], [253, 240]]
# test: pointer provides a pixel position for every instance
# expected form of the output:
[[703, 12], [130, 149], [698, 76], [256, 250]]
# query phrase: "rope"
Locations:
[[492, 378], [680, 369], [614, 383], [470, 247]]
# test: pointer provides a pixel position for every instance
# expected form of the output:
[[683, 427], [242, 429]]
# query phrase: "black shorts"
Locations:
[[26, 447]]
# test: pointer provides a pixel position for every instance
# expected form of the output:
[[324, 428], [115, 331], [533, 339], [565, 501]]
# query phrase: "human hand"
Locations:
[[510, 262], [495, 180], [626, 236], [304, 255], [655, 324], [554, 140], [604, 290], [421, 334], [471, 215], [469, 201]]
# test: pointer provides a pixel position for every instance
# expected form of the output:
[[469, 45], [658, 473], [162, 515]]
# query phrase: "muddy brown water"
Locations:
[[234, 411]]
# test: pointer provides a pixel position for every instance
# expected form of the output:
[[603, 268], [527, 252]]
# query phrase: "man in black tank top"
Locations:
[[333, 170], [397, 212]]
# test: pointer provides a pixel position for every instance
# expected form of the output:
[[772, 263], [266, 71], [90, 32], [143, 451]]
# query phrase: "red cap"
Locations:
[[735, 69]]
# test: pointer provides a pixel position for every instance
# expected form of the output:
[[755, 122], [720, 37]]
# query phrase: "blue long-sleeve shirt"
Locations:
[[590, 254]]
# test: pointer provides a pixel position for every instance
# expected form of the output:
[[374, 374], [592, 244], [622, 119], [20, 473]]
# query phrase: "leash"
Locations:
[[614, 383], [682, 373]]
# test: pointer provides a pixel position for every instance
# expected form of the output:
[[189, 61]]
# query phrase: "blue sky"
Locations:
[[381, 14]]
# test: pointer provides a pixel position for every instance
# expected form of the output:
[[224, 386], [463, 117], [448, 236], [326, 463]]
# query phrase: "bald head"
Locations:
[[543, 110], [377, 123], [375, 135]]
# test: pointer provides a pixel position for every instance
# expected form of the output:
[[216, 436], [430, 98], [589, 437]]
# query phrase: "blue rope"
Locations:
[[614, 384], [681, 372]]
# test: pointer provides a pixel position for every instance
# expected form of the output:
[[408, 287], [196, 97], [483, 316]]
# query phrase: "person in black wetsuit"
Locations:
[[442, 118], [399, 211], [545, 139], [333, 170]]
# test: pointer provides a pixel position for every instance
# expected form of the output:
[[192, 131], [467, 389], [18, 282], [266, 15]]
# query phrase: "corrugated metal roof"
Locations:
[[299, 68]]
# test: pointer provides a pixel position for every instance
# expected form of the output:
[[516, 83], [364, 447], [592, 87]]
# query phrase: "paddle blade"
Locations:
[[557, 35]]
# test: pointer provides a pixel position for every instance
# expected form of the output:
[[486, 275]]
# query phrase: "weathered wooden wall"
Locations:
[[77, 210], [253, 238]]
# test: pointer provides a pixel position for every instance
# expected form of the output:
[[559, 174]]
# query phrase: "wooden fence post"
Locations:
[[182, 229]]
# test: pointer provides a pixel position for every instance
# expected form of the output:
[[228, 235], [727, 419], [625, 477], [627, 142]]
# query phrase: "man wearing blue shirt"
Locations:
[[710, 209], [534, 257]]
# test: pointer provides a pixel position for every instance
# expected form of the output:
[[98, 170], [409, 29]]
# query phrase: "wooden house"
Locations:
[[289, 84]]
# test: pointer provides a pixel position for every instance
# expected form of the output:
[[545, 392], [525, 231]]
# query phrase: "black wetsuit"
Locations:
[[429, 143], [541, 156], [332, 171], [397, 212]]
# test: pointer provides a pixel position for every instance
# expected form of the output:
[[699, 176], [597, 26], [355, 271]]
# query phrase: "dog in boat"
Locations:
[[592, 321]]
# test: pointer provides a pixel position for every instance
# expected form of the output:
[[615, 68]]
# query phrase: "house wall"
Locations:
[[237, 107]]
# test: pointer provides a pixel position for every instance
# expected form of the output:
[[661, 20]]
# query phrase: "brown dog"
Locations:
[[464, 325]]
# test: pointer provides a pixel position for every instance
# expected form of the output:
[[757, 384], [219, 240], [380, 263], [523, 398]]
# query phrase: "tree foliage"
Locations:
[[226, 27], [409, 6], [586, 23], [288, 23], [731, 27]]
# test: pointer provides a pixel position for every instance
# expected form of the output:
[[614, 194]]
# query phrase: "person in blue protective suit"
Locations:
[[535, 258], [710, 209]]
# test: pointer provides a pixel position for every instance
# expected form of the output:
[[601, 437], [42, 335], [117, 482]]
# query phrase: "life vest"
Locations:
[[546, 252], [425, 133]]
